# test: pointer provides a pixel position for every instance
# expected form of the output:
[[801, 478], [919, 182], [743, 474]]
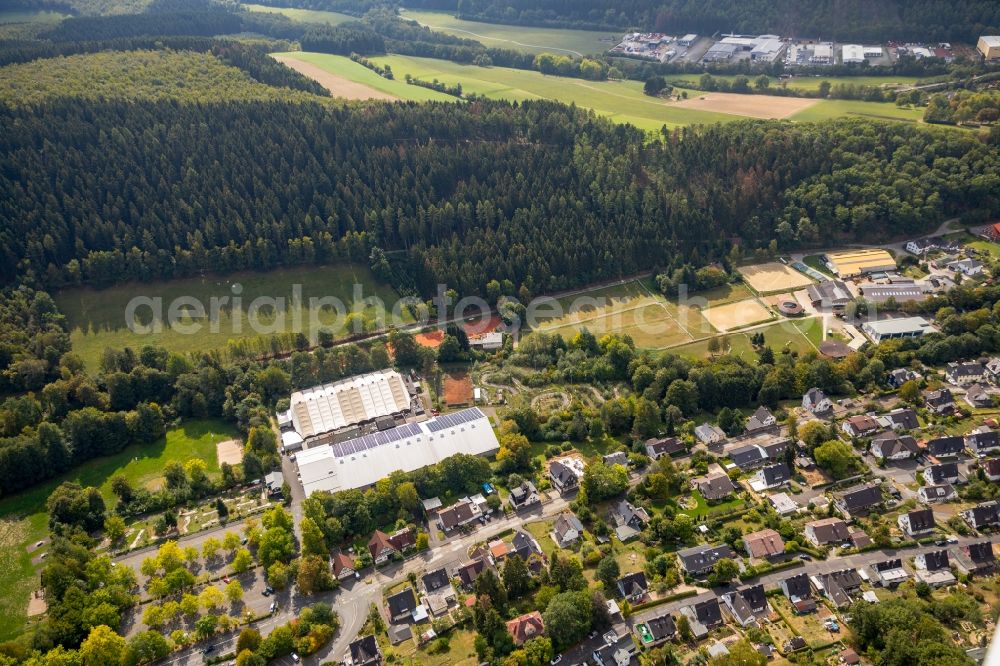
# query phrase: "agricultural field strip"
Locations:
[[499, 39]]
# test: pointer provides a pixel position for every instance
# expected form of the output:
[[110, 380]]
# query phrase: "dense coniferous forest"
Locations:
[[541, 194]]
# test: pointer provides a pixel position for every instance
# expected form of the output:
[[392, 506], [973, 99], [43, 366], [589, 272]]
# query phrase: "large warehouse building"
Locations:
[[360, 462], [360, 399], [889, 329], [859, 262], [989, 46]]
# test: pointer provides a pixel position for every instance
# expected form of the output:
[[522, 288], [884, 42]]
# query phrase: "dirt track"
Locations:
[[337, 85], [753, 106]]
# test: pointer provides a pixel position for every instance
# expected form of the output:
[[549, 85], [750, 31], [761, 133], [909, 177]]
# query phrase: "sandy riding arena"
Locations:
[[773, 277], [753, 106], [337, 85], [734, 315], [229, 451]]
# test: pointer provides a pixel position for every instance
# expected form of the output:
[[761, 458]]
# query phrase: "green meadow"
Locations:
[[622, 101], [23, 519], [96, 317], [303, 15], [352, 71], [517, 38]]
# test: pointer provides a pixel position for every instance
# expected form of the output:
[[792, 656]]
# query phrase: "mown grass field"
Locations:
[[97, 317], [622, 101], [348, 69], [517, 38], [28, 16], [653, 321], [801, 336], [23, 520], [840, 108], [303, 15]]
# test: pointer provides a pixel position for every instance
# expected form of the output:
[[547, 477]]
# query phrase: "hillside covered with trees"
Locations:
[[539, 194]]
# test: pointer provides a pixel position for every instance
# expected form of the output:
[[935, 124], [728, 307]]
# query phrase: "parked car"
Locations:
[[556, 659], [274, 606], [295, 657]]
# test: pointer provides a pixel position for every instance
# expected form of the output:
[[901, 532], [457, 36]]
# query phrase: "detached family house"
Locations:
[[933, 568], [658, 447], [900, 419], [628, 520], [765, 544], [982, 441], [940, 401], [714, 487], [826, 531], [983, 515], [762, 419], [942, 473], [382, 546], [771, 476], [633, 586], [566, 474], [815, 401], [975, 559], [945, 447], [566, 530], [858, 500], [860, 426], [699, 560], [935, 494], [524, 495], [894, 447], [917, 523]]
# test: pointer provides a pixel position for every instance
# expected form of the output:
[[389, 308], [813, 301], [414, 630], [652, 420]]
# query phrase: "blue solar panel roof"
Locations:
[[457, 418], [375, 439]]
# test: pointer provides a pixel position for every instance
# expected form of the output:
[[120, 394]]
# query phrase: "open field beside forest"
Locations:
[[23, 519], [517, 37], [653, 321], [799, 335], [30, 16], [303, 15], [343, 67], [621, 101], [96, 317]]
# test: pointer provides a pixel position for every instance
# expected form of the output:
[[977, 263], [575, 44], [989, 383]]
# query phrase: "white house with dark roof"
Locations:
[[964, 373], [708, 433], [982, 441], [899, 419], [985, 514], [714, 486], [917, 523], [942, 473], [699, 560], [892, 446], [761, 420], [771, 476], [816, 402], [566, 473], [566, 530], [934, 568], [935, 494]]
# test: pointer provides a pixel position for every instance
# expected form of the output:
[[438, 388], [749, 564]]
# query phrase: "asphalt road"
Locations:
[[351, 601]]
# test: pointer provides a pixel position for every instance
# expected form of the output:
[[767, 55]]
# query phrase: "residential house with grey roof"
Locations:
[[699, 560], [858, 500], [917, 523]]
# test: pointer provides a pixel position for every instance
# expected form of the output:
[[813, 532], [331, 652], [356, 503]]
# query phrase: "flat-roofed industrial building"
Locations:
[[348, 402], [889, 329], [362, 461], [852, 263], [989, 47]]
